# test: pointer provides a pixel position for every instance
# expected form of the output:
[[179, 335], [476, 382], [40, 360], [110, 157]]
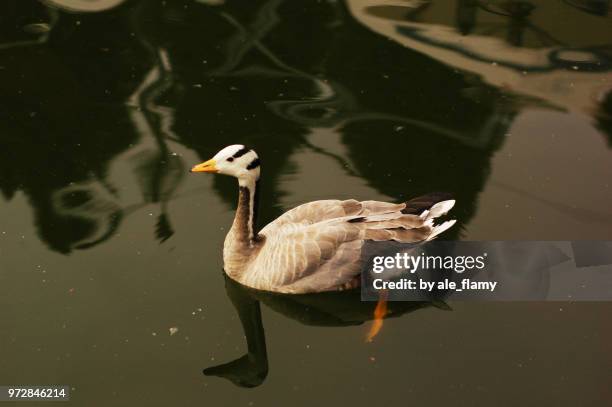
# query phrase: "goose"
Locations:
[[314, 247]]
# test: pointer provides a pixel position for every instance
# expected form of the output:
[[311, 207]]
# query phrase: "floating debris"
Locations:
[[173, 330]]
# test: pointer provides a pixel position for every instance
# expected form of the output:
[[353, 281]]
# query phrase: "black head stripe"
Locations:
[[240, 152], [254, 164]]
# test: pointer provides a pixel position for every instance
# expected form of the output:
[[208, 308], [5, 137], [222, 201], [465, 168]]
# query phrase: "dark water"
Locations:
[[107, 243]]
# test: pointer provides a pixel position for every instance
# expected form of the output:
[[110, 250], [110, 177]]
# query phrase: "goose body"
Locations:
[[314, 247]]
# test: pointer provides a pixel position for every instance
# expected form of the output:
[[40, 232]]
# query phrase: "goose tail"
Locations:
[[430, 207]]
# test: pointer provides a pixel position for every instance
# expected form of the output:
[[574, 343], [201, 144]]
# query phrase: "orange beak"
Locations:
[[207, 166]]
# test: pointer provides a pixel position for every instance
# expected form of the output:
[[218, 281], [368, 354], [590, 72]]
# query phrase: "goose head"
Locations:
[[235, 160]]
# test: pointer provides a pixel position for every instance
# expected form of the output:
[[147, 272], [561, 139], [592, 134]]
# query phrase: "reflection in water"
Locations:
[[604, 116], [75, 108], [84, 6], [158, 169], [249, 88], [343, 308], [338, 94], [547, 68]]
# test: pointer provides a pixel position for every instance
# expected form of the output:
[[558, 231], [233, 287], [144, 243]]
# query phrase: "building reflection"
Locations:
[[513, 45]]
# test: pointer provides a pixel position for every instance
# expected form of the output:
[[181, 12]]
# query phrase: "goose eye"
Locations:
[[230, 159]]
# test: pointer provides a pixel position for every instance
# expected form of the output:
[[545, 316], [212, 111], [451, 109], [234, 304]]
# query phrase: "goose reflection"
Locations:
[[329, 309], [522, 269]]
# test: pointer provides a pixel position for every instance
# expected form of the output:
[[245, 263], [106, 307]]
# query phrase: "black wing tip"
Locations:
[[416, 206]]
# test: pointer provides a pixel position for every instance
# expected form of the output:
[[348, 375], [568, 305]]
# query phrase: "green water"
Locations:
[[107, 243]]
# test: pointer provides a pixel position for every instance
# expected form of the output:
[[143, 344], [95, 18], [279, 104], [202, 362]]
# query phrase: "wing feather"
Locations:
[[317, 246]]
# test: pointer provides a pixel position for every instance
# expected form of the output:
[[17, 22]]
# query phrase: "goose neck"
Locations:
[[246, 213]]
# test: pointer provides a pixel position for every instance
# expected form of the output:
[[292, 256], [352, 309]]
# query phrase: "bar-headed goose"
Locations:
[[316, 246]]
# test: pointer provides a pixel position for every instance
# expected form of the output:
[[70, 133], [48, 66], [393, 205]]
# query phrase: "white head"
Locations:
[[235, 160]]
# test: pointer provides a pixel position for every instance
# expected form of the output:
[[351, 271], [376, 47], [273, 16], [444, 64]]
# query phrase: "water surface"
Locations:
[[106, 241]]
